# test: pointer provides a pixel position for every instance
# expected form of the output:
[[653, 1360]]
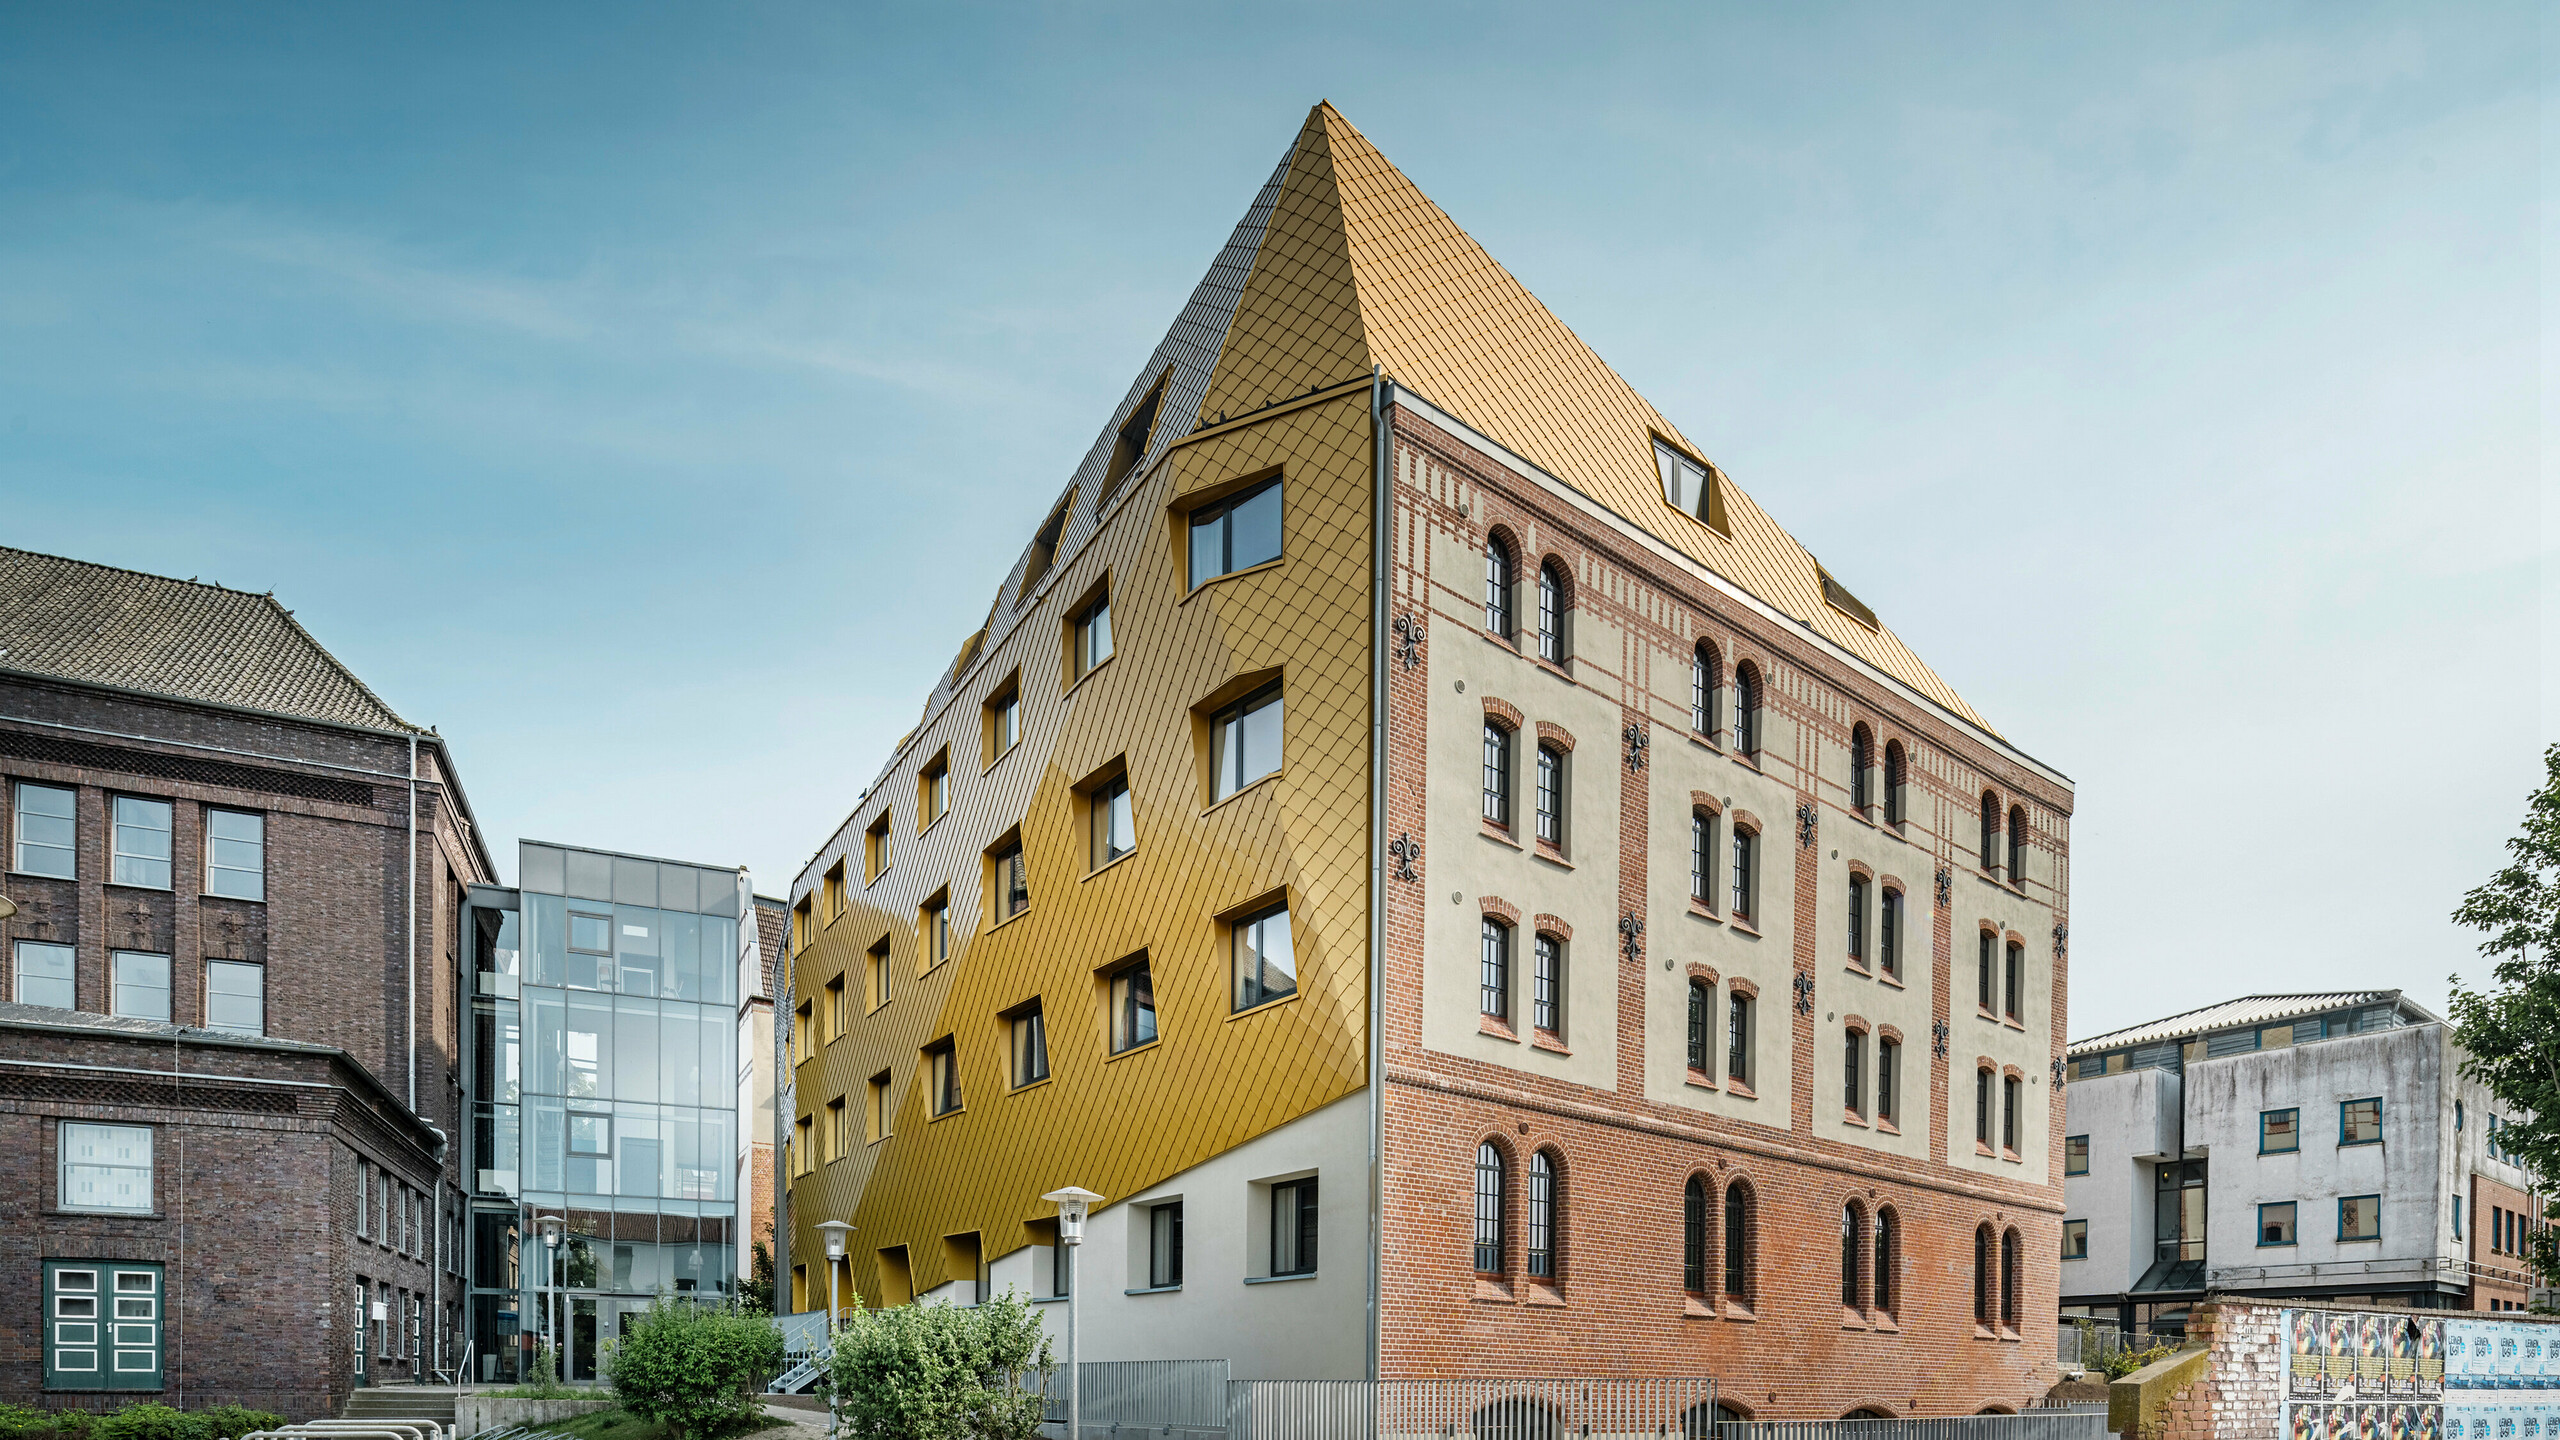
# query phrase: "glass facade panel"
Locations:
[[606, 1096]]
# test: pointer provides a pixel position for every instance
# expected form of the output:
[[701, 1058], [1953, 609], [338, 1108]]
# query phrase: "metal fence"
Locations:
[[1194, 1400], [2033, 1425]]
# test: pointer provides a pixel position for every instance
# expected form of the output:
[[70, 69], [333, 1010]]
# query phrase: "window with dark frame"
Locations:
[[2010, 1095], [1982, 1106], [1857, 919], [1889, 933], [1702, 999], [2276, 1224], [1702, 862], [1737, 1243], [1702, 689], [1551, 797], [1245, 741], [1164, 1246], [1293, 1227], [1497, 774], [1745, 846], [1115, 829], [1887, 1249], [2360, 1122], [1551, 614], [1983, 968], [1265, 956], [1013, 881], [2017, 845], [944, 1070], [1990, 830], [1853, 1051], [1133, 1008], [1489, 1217], [1693, 1235], [2360, 1217], [1852, 1257], [1546, 983], [1498, 580], [1862, 745], [1888, 1079], [1493, 982], [1236, 533], [1545, 1201], [1737, 1037], [1982, 1276], [2014, 979], [1030, 1046], [2075, 1154], [1894, 765], [1092, 636], [2279, 1131], [1746, 709]]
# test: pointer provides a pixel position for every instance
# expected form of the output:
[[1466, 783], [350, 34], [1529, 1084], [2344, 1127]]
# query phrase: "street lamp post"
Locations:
[[1072, 1204], [551, 1228], [833, 1232]]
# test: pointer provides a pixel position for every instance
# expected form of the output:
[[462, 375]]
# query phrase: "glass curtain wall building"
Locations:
[[602, 1076]]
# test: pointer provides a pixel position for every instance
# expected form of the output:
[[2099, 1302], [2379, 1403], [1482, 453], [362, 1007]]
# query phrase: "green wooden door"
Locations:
[[104, 1324]]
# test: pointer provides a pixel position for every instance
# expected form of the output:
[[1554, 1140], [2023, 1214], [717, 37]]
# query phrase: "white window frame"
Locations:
[[66, 1135], [70, 849]]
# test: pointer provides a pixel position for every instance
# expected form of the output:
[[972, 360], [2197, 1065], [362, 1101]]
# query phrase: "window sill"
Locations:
[[117, 1214], [1883, 1324], [1155, 1290], [1982, 1331], [1852, 1319], [1553, 668], [1552, 856], [1888, 977], [2296, 1150], [1147, 1049], [1007, 920], [1742, 926], [2010, 1155], [2011, 1022], [1492, 637], [1735, 1310], [1852, 1117], [998, 758], [867, 882], [1701, 912], [1498, 1029], [1748, 760], [1855, 967], [1025, 1087], [1048, 1299], [1240, 792], [1547, 1040], [1497, 833], [1698, 1080], [947, 1114], [1983, 1149], [1492, 1290], [1279, 1279], [169, 889], [937, 818], [1544, 1296], [1107, 864], [1740, 1091], [1887, 1127], [1201, 587], [2008, 1336], [236, 899], [1693, 1307], [1264, 1007], [1705, 742]]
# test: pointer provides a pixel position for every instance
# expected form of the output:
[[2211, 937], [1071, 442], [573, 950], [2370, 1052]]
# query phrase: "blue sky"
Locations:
[[651, 397]]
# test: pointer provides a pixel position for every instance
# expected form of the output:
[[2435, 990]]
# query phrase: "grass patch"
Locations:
[[620, 1424]]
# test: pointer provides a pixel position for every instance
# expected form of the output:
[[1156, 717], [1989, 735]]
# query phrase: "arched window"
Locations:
[[1737, 1242], [1497, 586], [1894, 800], [1497, 773], [1489, 1191], [1990, 830], [2010, 1279], [2017, 845], [1703, 674], [1551, 614], [1982, 1276], [1886, 1240], [1852, 1253], [1862, 754], [1493, 980], [1746, 709], [1546, 1208], [1693, 1236]]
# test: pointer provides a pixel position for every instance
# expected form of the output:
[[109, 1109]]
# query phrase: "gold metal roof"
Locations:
[[1429, 306]]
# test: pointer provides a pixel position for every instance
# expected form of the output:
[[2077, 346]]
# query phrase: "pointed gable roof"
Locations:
[[96, 624], [1442, 318]]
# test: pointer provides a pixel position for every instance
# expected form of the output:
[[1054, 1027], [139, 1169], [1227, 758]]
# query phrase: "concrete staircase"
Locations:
[[402, 1402]]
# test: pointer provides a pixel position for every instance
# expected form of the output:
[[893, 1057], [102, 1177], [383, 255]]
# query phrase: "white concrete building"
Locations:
[[2314, 1146]]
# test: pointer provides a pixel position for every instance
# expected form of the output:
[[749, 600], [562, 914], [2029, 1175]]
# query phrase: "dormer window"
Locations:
[[1130, 445], [1689, 485]]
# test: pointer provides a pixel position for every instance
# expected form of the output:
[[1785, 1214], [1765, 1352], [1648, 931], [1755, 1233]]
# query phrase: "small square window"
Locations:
[[2360, 1122], [933, 790], [2279, 1132], [590, 934], [2275, 1224], [1090, 643], [1236, 534], [2075, 1239], [933, 930], [235, 997], [1030, 1045], [235, 854], [1003, 719], [105, 1167], [1293, 1227], [1009, 881], [1266, 959], [142, 842], [943, 1069], [47, 824], [141, 985], [2360, 1217], [880, 1107], [875, 848], [1244, 742], [2075, 1154], [1115, 827], [1164, 1246], [45, 975]]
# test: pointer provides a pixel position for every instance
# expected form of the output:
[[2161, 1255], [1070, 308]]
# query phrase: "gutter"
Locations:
[[1380, 388]]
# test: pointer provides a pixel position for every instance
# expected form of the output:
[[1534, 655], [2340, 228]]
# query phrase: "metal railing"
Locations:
[[1182, 1399], [1482, 1408], [2034, 1425]]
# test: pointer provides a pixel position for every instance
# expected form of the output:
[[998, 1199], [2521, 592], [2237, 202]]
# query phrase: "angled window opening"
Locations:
[[1044, 544], [1129, 442], [1690, 485], [1235, 533], [1837, 596]]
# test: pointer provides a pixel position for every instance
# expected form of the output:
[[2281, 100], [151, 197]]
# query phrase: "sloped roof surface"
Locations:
[[95, 623], [2247, 1010]]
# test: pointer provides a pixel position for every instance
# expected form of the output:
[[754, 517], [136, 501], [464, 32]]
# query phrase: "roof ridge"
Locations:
[[138, 574], [352, 678]]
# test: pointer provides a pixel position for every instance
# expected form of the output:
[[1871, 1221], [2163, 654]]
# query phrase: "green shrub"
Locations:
[[938, 1372], [230, 1422], [2125, 1362], [696, 1368], [150, 1421], [18, 1420]]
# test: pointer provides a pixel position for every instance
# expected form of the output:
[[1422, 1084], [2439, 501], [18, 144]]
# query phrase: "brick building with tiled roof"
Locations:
[[228, 1083]]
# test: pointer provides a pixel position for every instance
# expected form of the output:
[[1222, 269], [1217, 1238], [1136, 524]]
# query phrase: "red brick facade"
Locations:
[[1787, 1347], [256, 1181]]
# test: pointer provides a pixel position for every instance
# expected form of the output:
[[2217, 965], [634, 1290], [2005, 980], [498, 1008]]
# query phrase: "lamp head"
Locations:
[[8, 907], [551, 1228], [1073, 1204], [833, 1232]]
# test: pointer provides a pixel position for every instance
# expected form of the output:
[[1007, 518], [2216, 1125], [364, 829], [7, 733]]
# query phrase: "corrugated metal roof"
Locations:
[[2247, 1010], [74, 620]]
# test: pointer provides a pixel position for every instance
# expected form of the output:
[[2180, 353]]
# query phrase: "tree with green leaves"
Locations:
[[755, 1293], [2512, 1031], [941, 1372]]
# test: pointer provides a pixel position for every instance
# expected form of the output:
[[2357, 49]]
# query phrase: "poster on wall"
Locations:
[[2369, 1376]]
